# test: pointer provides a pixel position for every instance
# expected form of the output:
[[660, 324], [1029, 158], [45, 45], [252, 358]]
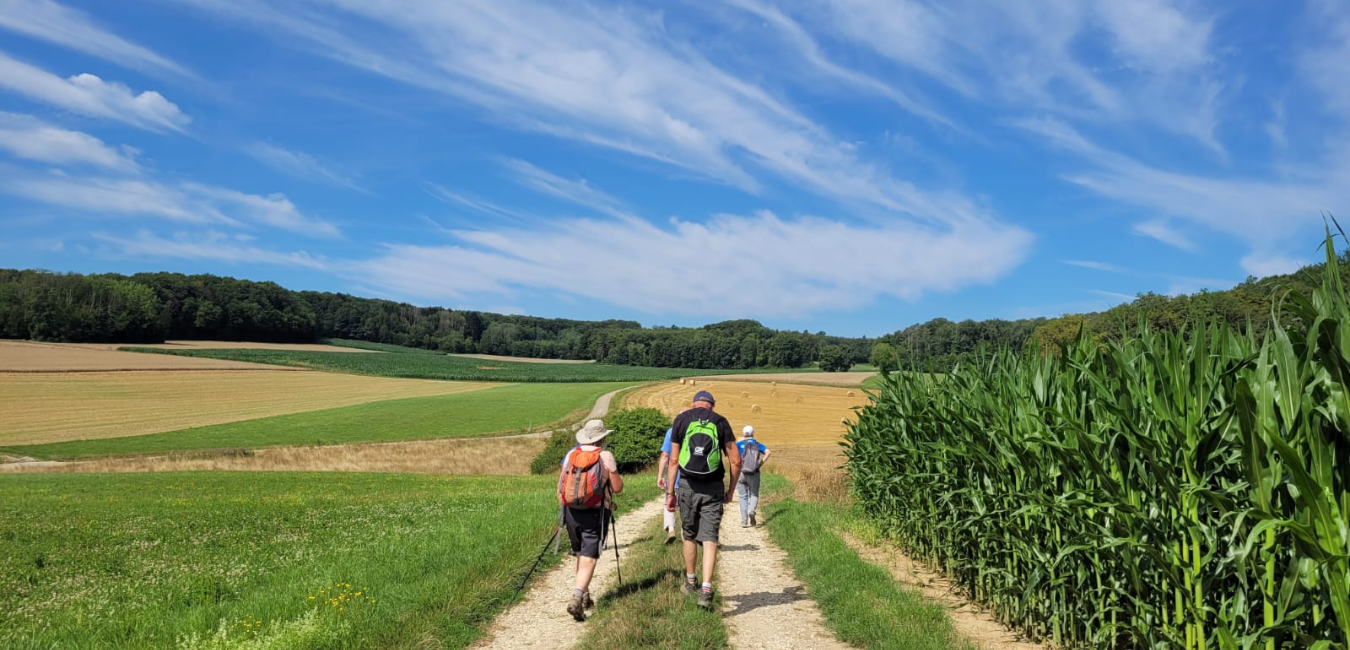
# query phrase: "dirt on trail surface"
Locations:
[[539, 620], [968, 619], [765, 607]]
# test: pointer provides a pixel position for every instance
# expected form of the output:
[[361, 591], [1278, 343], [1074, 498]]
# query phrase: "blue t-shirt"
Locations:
[[740, 446], [665, 449]]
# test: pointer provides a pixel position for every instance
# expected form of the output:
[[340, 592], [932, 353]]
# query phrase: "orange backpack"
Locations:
[[583, 481]]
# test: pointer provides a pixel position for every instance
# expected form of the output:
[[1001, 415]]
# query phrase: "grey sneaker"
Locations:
[[689, 586], [577, 608], [705, 599], [745, 523]]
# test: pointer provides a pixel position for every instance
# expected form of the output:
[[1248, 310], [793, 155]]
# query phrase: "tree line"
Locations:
[[153, 307]]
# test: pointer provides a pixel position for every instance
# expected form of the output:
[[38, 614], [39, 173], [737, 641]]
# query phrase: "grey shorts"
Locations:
[[585, 529], [700, 512]]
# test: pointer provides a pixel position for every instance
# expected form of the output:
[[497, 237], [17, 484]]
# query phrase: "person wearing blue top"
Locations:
[[753, 456], [661, 468]]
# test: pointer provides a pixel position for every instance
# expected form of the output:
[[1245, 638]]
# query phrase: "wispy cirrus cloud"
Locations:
[[579, 192], [56, 23], [210, 245], [1096, 266], [195, 203], [30, 138], [91, 96], [834, 264], [300, 165]]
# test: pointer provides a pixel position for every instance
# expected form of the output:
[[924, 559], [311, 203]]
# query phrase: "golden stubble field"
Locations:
[[28, 356], [58, 406]]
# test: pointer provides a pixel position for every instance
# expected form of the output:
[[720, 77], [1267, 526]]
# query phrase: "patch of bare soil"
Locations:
[[968, 619], [539, 620], [28, 356]]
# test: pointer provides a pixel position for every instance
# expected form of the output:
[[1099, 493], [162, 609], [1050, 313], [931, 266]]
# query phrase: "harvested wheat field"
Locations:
[[235, 345], [28, 356], [789, 415], [506, 455], [39, 408], [847, 379]]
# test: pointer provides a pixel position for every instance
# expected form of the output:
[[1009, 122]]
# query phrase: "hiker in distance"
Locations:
[[753, 456], [586, 486], [702, 447], [668, 512]]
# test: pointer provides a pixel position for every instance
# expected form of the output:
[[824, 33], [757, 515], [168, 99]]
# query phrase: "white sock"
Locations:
[[689, 576], [707, 586]]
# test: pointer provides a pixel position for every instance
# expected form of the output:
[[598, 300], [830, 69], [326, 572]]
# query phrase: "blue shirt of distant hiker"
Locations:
[[740, 446]]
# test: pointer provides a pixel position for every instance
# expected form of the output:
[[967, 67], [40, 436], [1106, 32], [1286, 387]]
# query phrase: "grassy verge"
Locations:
[[440, 366], [860, 601], [285, 560], [649, 611], [495, 410]]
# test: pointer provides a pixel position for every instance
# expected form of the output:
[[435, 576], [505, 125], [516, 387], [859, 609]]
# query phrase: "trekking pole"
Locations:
[[537, 560], [614, 526]]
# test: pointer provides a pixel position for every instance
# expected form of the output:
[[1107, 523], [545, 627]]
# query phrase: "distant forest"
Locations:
[[153, 307]]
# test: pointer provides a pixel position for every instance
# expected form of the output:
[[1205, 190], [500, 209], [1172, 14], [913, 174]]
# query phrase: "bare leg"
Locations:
[[690, 556], [585, 569], [709, 560]]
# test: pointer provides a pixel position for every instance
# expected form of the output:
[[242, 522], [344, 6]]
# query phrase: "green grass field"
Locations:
[[861, 601], [379, 347], [439, 366], [495, 410], [280, 561]]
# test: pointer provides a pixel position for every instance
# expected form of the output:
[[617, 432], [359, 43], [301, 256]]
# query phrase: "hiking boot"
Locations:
[[705, 599], [745, 522], [752, 519], [670, 537], [689, 586], [577, 608], [586, 601]]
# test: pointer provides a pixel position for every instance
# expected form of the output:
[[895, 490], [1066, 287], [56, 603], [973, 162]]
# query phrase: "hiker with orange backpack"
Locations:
[[586, 486], [702, 447]]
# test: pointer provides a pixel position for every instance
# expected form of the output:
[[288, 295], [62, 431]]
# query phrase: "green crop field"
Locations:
[[285, 560], [439, 366], [380, 347], [463, 415]]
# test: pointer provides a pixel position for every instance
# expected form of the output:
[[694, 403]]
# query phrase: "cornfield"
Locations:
[[1171, 490]]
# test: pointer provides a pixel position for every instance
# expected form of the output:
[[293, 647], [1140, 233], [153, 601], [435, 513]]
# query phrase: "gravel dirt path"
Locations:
[[765, 607], [539, 620]]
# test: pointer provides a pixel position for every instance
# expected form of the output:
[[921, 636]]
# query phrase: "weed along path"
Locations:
[[539, 620], [765, 607]]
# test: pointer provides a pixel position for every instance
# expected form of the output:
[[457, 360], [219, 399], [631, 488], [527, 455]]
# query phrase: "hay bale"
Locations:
[[693, 383], [843, 421], [754, 408], [681, 380], [797, 399], [773, 393], [850, 393], [744, 394]]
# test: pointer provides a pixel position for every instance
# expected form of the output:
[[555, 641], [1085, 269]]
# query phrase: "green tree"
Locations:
[[885, 358], [834, 359]]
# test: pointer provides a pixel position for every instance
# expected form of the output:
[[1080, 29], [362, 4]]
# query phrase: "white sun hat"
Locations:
[[593, 432], [748, 431]]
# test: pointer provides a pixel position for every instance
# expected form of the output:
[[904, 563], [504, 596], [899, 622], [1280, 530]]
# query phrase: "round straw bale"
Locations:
[[843, 421], [797, 399], [754, 408], [693, 383], [681, 381], [773, 393], [744, 394], [850, 393]]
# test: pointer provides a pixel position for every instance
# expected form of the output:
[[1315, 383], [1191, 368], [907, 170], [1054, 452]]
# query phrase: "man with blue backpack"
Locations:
[[702, 446], [753, 456]]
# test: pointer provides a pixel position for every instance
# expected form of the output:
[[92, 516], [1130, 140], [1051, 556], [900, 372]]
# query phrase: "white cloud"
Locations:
[[578, 192], [731, 266], [71, 28], [604, 76], [1114, 295], [183, 202], [89, 95], [449, 197], [1096, 266], [299, 164], [1327, 64], [213, 246], [30, 138], [1164, 232], [1261, 264]]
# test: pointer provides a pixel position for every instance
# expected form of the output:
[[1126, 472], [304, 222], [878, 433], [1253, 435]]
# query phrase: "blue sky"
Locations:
[[853, 166]]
